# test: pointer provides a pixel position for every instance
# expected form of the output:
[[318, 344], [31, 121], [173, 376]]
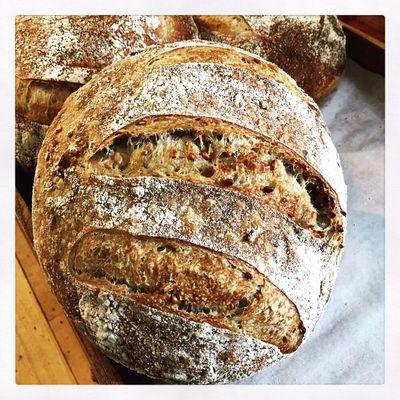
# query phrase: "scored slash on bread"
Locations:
[[154, 229]]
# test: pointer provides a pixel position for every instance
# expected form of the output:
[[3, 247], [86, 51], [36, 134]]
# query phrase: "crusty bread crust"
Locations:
[[206, 216], [166, 346], [55, 55], [212, 152], [309, 48], [73, 48], [188, 280], [221, 88], [40, 101], [210, 80]]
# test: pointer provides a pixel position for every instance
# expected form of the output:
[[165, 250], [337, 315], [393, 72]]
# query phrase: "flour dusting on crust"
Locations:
[[309, 48], [73, 48], [121, 330], [208, 89], [71, 200], [315, 26]]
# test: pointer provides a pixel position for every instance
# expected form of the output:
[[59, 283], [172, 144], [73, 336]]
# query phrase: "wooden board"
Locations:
[[365, 40], [39, 358]]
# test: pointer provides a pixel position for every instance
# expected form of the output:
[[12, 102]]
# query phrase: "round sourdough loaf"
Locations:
[[189, 211], [55, 55], [311, 49]]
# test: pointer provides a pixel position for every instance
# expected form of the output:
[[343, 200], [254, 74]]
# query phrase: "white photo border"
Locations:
[[391, 388]]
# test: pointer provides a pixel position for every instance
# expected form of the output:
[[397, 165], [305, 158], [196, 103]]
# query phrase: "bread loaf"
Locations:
[[189, 211], [311, 49], [55, 55]]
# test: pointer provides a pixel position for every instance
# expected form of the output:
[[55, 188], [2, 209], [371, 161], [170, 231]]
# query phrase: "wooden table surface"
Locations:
[[48, 351]]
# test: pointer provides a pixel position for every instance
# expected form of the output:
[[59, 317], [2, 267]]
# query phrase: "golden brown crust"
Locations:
[[40, 101], [179, 28], [161, 87], [309, 48], [211, 86], [189, 281]]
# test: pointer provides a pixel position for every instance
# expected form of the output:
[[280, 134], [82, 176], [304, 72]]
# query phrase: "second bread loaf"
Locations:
[[311, 49], [55, 55]]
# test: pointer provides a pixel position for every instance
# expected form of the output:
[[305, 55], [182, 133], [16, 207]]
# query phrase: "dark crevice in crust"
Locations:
[[174, 276], [234, 162]]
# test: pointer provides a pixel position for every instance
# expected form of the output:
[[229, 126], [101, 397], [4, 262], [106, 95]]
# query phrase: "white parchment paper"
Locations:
[[347, 346]]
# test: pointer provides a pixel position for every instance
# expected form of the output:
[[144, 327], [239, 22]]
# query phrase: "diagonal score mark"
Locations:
[[221, 220]]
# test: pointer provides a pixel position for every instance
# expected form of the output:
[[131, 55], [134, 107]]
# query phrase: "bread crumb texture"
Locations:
[[233, 161], [191, 282]]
